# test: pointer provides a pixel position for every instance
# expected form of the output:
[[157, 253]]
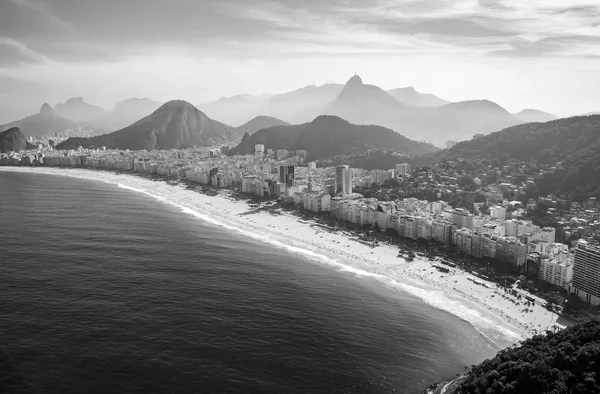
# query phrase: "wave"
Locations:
[[435, 298]]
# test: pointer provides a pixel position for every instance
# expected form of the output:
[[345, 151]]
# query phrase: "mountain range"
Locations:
[[125, 113], [420, 116], [44, 123], [328, 136], [300, 105], [13, 140], [77, 110], [175, 125]]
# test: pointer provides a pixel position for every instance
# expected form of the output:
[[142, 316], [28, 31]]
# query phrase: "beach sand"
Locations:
[[481, 303]]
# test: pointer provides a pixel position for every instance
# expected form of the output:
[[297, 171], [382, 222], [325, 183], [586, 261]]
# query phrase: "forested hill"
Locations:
[[563, 362], [569, 148], [328, 136]]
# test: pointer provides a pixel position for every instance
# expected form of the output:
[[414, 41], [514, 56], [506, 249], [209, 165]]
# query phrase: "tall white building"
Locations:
[[343, 180], [259, 149], [586, 272]]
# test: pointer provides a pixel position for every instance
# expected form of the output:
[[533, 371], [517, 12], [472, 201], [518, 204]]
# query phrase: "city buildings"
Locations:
[[402, 169]]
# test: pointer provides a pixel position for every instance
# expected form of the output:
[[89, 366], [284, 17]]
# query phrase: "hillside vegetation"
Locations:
[[328, 136], [569, 148], [563, 362]]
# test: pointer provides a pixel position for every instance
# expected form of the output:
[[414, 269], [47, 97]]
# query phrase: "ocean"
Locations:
[[105, 290]]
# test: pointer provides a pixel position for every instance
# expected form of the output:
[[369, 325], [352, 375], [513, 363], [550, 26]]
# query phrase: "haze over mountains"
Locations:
[[260, 122], [78, 110], [420, 116], [328, 136], [175, 125], [534, 115], [300, 105], [44, 123]]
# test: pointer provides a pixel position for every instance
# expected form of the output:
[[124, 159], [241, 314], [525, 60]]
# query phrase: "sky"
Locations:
[[540, 54]]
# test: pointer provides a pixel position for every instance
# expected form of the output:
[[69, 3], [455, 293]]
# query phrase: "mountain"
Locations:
[[328, 136], [78, 110], [234, 110], [297, 106], [562, 362], [534, 115], [175, 125], [45, 123], [367, 104], [13, 140], [125, 113], [571, 146], [409, 96], [260, 122]]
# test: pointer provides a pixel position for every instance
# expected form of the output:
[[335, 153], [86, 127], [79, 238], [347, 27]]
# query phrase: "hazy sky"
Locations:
[[541, 54]]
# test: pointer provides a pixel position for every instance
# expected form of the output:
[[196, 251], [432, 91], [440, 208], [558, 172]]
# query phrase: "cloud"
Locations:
[[116, 30], [13, 53]]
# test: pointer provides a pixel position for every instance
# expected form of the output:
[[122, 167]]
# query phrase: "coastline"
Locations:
[[456, 292]]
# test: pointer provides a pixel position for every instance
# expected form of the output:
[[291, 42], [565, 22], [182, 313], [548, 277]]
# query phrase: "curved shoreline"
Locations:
[[462, 298]]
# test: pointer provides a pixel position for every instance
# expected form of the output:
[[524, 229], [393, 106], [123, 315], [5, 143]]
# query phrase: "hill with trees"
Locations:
[[175, 125], [260, 122], [13, 140], [567, 150], [563, 362], [328, 136]]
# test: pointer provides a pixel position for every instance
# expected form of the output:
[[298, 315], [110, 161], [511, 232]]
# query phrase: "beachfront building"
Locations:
[[559, 273], [586, 272], [287, 175], [343, 180]]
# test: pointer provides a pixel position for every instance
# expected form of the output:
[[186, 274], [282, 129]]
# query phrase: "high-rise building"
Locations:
[[287, 175], [343, 180], [402, 169], [259, 149], [586, 272]]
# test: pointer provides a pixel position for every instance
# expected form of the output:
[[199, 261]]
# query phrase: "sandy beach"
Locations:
[[481, 303]]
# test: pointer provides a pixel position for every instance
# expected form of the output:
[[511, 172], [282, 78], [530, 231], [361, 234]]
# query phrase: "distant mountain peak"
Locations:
[[354, 81], [74, 100], [46, 110], [534, 115], [329, 120]]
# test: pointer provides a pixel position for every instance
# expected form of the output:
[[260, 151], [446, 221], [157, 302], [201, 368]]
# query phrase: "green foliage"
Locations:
[[328, 136], [568, 149], [562, 362]]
